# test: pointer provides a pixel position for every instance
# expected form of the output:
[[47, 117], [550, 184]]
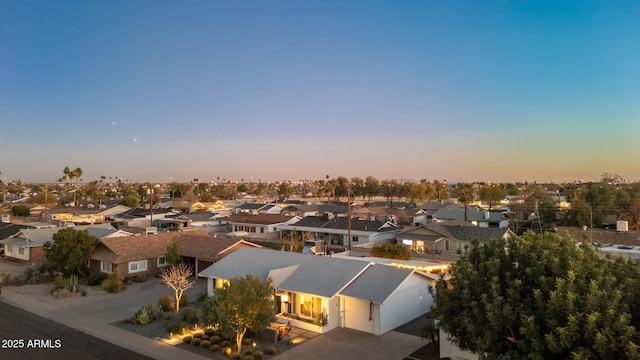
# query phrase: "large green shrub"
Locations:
[[205, 344], [187, 339], [214, 348], [215, 339]]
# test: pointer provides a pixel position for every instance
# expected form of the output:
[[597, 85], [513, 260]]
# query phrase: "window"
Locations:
[[9, 249], [262, 229], [308, 306], [137, 266], [105, 267], [20, 251], [354, 239], [162, 261]]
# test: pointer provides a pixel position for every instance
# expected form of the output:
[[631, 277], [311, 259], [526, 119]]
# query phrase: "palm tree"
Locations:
[[76, 174], [466, 195]]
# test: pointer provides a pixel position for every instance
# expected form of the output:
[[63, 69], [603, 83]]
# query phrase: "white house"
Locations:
[[350, 293]]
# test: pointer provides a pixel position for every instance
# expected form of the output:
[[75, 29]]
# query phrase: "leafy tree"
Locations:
[[242, 304], [173, 253], [131, 200], [391, 251], [284, 190], [442, 190], [371, 186], [492, 194], [20, 210], [539, 296], [70, 250], [177, 278]]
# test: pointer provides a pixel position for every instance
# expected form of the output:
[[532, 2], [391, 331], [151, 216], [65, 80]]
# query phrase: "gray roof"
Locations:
[[341, 223], [38, 237], [377, 283], [319, 275]]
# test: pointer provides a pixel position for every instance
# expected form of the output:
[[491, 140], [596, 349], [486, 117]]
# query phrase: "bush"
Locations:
[[146, 314], [270, 350], [246, 341], [187, 339], [225, 343], [96, 279], [226, 350], [165, 303], [184, 300], [258, 355], [203, 295], [6, 279], [195, 342], [113, 284], [191, 315], [58, 282], [247, 352], [197, 335], [214, 348], [140, 278], [215, 339], [177, 328], [235, 356], [205, 344], [205, 336], [248, 357]]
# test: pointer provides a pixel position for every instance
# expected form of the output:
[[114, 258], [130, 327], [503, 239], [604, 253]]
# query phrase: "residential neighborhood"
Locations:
[[319, 180], [316, 253]]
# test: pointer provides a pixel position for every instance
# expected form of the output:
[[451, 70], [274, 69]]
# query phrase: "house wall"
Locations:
[[409, 301], [356, 315], [13, 251]]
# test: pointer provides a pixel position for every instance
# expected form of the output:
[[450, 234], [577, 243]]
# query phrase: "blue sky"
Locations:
[[272, 90]]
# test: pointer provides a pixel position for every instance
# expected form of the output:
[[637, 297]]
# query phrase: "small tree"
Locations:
[[242, 304], [173, 253], [177, 278], [70, 250]]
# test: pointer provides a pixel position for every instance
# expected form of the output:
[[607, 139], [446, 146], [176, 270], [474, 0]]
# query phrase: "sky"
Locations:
[[272, 90]]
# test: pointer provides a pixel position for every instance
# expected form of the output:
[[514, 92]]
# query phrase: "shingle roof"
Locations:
[[323, 276], [377, 283], [341, 223], [193, 244]]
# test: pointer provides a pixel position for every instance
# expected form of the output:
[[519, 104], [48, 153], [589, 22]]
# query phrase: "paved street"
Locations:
[[21, 333]]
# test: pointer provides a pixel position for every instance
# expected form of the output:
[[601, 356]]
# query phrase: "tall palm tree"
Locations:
[[76, 173], [466, 195]]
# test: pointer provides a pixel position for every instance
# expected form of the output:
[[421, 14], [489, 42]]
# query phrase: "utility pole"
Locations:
[[349, 214]]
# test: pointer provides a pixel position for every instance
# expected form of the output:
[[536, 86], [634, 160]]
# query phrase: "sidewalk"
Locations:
[[140, 344]]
